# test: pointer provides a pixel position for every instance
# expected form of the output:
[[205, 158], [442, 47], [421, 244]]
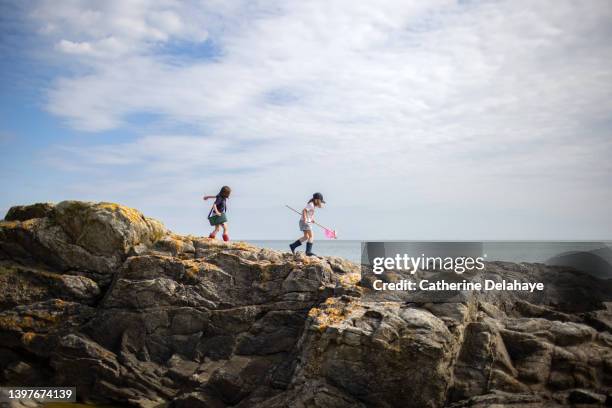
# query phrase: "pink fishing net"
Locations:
[[330, 234]]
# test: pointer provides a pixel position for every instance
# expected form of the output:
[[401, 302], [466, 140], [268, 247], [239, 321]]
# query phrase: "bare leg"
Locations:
[[212, 234], [225, 231], [305, 237]]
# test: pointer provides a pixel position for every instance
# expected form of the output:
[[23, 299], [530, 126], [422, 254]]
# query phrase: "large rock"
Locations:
[[24, 285], [75, 235], [28, 212], [383, 353], [97, 296], [106, 228]]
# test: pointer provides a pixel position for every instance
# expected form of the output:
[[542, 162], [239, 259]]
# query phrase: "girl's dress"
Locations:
[[221, 203]]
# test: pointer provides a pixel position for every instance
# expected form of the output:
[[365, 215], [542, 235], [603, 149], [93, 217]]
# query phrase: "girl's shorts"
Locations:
[[304, 226]]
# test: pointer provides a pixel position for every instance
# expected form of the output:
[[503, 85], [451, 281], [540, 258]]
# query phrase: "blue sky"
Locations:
[[417, 120]]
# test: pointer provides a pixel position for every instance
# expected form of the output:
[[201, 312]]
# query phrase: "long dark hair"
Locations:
[[225, 192], [312, 200]]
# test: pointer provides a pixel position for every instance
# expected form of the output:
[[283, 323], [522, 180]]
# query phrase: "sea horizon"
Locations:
[[507, 251]]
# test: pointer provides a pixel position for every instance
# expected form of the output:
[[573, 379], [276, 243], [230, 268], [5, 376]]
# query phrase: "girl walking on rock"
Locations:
[[217, 216], [306, 220]]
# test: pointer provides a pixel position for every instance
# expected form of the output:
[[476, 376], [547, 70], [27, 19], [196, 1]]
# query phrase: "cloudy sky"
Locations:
[[416, 120]]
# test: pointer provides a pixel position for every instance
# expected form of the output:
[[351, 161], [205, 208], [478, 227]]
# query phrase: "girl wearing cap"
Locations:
[[306, 219]]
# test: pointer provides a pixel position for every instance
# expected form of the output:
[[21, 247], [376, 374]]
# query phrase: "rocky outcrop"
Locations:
[[97, 296]]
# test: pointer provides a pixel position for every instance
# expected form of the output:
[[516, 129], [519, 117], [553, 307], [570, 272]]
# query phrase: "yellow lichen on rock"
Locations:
[[45, 316], [333, 312], [193, 268], [243, 246], [176, 241], [28, 337], [29, 224], [9, 323], [131, 214], [9, 224], [311, 260], [350, 279], [209, 267], [106, 228], [314, 312], [16, 322]]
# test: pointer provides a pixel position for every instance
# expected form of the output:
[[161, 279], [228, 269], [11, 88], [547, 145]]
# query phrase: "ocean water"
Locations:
[[350, 250], [510, 251]]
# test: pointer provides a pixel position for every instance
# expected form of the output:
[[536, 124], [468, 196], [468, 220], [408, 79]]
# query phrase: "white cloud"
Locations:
[[71, 47], [457, 104], [104, 48], [115, 28]]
